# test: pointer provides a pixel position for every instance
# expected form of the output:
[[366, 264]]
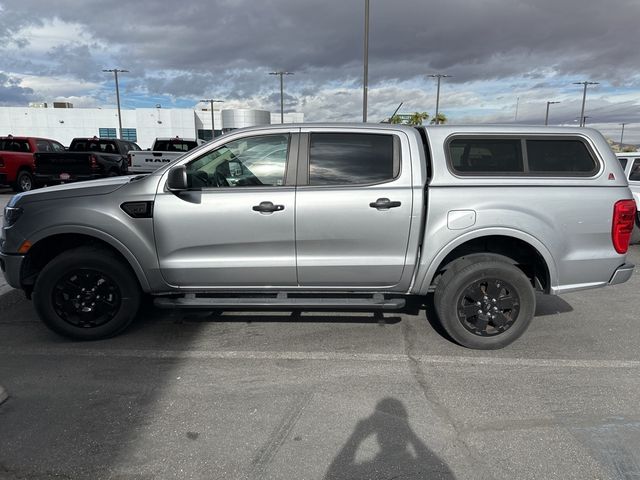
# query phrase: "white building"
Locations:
[[141, 125]]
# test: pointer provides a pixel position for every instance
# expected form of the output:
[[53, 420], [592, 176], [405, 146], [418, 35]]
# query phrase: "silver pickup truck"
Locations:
[[475, 219]]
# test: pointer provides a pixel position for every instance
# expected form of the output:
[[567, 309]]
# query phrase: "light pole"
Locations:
[[281, 74], [439, 76], [115, 72], [546, 117], [622, 134], [213, 123], [365, 78], [584, 97]]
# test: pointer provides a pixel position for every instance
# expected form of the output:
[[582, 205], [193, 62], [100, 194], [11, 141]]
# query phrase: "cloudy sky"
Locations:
[[507, 58]]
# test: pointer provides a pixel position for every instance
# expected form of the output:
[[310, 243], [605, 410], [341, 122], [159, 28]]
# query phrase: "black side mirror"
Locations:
[[177, 180]]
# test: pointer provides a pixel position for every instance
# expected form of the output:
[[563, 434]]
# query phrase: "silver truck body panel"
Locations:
[[328, 238]]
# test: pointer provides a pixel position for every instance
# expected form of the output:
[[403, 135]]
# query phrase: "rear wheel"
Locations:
[[87, 294], [485, 302], [24, 182]]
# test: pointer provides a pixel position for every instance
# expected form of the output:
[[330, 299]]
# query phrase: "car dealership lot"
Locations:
[[274, 395], [277, 395]]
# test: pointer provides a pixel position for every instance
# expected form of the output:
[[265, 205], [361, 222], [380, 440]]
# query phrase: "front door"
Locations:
[[353, 216], [234, 227]]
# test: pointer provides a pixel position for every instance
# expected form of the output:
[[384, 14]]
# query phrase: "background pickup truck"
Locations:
[[472, 220], [86, 159], [164, 150], [16, 159]]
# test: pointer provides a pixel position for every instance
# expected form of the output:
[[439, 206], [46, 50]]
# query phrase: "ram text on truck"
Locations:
[[334, 217], [86, 159], [164, 150]]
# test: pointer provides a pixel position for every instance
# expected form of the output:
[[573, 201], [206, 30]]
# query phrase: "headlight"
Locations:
[[11, 215]]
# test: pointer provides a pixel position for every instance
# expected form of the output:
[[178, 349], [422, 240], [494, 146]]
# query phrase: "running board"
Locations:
[[284, 301]]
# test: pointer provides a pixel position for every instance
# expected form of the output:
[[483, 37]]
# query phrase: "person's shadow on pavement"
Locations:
[[402, 454]]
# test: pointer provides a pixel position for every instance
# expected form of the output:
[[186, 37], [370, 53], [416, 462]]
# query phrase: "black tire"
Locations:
[[87, 293], [502, 311], [24, 182]]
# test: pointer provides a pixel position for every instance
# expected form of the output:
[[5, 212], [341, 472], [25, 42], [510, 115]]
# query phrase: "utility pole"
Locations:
[[622, 134], [365, 79], [546, 117], [515, 119], [213, 128], [584, 97], [281, 74], [439, 76], [115, 72]]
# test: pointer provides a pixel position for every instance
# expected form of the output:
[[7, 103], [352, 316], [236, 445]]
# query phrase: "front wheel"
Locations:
[[484, 304], [87, 294]]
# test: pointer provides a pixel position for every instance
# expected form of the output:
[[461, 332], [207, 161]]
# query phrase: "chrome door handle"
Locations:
[[267, 207], [384, 204]]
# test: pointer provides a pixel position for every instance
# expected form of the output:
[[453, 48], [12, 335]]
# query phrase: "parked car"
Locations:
[[16, 159], [630, 162], [474, 219], [86, 159], [165, 150]]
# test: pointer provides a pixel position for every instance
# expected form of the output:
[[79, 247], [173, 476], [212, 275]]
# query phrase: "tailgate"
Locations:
[[150, 160], [68, 162]]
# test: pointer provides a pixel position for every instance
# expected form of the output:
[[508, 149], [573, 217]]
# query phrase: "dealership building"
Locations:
[[62, 122]]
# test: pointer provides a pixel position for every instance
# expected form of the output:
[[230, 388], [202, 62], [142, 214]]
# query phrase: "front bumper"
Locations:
[[11, 266], [622, 274]]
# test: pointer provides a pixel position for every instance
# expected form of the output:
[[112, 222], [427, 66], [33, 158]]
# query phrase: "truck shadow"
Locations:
[[401, 453]]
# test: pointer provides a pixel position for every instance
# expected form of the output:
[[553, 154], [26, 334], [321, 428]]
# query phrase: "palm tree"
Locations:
[[418, 117], [442, 118]]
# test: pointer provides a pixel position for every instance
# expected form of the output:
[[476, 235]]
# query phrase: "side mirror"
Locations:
[[177, 180]]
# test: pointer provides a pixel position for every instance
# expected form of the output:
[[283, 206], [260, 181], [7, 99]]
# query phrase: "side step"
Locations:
[[376, 301]]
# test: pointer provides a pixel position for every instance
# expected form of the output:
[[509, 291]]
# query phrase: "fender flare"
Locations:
[[488, 232]]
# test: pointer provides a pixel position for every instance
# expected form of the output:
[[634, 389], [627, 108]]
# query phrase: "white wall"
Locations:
[[64, 124]]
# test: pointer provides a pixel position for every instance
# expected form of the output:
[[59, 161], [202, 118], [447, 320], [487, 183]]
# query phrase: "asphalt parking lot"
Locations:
[[315, 396]]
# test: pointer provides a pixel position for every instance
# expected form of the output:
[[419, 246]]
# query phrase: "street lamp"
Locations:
[[439, 76], [546, 117], [281, 74], [213, 128], [365, 78], [115, 72], [622, 134], [584, 97]]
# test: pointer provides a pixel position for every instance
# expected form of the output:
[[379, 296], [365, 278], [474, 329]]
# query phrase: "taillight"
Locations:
[[129, 159], [94, 162], [624, 212]]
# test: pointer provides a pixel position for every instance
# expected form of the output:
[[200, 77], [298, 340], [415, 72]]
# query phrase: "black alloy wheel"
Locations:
[[484, 301], [86, 298], [488, 307], [87, 293]]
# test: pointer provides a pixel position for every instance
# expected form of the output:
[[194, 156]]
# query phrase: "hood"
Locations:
[[69, 190]]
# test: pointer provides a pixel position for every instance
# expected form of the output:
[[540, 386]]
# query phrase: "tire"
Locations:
[[87, 293], [24, 182], [484, 302]]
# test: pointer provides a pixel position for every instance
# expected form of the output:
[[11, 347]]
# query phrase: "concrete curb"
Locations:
[[3, 394]]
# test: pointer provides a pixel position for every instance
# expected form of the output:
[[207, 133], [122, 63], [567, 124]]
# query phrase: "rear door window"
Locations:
[[352, 159], [623, 162]]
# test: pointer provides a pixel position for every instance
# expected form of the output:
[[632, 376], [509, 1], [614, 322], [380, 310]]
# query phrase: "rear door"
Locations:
[[353, 208]]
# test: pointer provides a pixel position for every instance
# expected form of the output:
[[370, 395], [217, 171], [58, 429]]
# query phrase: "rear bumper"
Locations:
[[11, 266], [622, 274]]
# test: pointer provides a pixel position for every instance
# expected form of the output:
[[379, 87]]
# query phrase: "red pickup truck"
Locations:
[[16, 159]]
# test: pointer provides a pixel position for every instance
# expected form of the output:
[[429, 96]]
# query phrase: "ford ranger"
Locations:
[[475, 219]]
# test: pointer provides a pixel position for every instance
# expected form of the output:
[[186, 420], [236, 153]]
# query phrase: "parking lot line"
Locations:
[[324, 356]]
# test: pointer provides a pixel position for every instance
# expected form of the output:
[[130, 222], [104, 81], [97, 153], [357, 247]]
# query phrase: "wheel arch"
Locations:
[[50, 243], [529, 253]]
